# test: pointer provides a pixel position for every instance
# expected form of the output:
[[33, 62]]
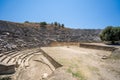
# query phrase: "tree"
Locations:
[[62, 25], [26, 22], [55, 23], [43, 23], [111, 34]]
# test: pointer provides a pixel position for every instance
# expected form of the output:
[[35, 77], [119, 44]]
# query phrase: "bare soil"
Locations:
[[85, 64]]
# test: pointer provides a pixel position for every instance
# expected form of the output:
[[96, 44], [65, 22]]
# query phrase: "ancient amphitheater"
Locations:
[[61, 61], [29, 52]]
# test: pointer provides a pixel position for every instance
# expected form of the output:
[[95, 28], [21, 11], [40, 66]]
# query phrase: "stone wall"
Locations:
[[64, 44], [7, 69], [99, 47], [52, 61]]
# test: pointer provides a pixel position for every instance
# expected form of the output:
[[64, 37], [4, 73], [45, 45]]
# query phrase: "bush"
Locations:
[[55, 23], [111, 34], [62, 25], [43, 23], [26, 22], [59, 25]]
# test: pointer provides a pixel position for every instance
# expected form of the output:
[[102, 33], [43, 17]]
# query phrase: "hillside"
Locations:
[[15, 36]]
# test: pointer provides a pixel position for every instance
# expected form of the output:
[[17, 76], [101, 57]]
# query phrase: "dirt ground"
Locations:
[[86, 64]]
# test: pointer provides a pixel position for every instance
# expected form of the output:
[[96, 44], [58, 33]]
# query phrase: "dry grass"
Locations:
[[85, 64]]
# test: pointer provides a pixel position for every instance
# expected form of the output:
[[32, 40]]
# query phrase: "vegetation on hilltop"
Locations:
[[43, 23], [26, 22]]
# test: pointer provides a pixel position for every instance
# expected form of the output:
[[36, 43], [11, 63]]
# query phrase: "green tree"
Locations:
[[43, 23], [111, 34], [55, 23], [62, 25], [26, 22]]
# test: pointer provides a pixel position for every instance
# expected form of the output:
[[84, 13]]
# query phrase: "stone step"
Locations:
[[1, 58], [11, 62], [26, 60], [1, 54], [15, 56], [12, 56], [22, 57], [6, 59]]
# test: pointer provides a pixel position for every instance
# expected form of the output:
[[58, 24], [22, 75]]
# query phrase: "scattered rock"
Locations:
[[44, 76], [104, 57], [10, 46]]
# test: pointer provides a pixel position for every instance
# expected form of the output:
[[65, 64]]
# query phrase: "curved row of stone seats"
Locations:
[[25, 60], [7, 53], [2, 58], [5, 56], [12, 57], [16, 58], [20, 59]]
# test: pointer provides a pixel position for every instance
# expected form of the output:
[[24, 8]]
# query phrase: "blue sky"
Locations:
[[73, 13]]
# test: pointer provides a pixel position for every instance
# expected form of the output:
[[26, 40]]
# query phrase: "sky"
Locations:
[[83, 14]]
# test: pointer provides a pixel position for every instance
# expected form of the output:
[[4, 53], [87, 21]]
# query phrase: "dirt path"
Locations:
[[86, 64]]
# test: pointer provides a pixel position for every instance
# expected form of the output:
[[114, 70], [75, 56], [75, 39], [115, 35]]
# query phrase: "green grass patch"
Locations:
[[76, 74]]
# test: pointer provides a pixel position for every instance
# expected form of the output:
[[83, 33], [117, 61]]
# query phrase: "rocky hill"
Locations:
[[15, 36]]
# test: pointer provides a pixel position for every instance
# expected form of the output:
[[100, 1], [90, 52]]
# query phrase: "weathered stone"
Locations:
[[7, 69]]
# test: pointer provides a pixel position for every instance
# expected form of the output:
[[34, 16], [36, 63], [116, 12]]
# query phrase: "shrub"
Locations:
[[62, 26], [55, 23], [26, 22], [43, 23], [111, 34]]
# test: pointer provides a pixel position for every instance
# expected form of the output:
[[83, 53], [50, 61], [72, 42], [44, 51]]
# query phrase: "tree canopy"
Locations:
[[111, 34], [43, 23]]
